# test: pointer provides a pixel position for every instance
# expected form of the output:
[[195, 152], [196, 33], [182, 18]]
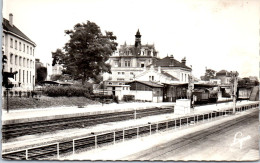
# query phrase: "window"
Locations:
[[23, 76], [11, 58], [23, 47], [123, 73], [116, 63], [142, 64], [28, 63], [3, 40], [19, 75], [30, 50], [118, 73], [24, 64], [151, 78], [15, 44], [11, 70], [33, 52], [20, 46], [16, 60], [27, 49], [11, 42], [20, 61]]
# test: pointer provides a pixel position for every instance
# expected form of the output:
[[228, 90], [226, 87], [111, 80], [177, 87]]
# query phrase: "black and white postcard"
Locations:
[[130, 80]]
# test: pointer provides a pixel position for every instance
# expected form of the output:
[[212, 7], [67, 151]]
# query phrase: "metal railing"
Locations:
[[94, 141]]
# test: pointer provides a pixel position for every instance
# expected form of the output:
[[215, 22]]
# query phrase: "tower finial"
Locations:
[[138, 38]]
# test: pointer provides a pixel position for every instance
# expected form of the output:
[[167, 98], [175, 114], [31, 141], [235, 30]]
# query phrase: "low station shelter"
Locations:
[[171, 92]]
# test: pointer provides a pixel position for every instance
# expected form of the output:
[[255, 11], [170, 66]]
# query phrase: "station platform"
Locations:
[[30, 141], [41, 114]]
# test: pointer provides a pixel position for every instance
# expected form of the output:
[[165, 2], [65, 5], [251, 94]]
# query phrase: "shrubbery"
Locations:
[[68, 91]]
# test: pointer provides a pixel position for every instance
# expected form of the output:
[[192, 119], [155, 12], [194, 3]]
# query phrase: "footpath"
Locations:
[[30, 141]]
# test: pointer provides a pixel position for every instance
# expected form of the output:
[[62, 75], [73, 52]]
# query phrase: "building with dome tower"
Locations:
[[131, 60]]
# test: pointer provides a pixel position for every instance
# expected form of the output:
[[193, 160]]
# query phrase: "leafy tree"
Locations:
[[86, 52], [209, 74], [41, 74]]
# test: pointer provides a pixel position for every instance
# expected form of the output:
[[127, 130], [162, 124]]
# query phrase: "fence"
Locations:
[[94, 141]]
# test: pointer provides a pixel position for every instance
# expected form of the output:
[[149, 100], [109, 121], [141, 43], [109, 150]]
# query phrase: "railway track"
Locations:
[[31, 128], [165, 150], [54, 151]]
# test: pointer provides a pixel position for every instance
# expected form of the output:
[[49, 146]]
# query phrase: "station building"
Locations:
[[20, 52]]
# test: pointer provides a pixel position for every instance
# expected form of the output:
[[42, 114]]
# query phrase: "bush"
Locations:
[[68, 91]]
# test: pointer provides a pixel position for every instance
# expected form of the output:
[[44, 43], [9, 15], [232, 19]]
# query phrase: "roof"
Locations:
[[15, 30], [222, 72], [56, 82], [169, 75], [148, 83], [195, 85], [170, 62]]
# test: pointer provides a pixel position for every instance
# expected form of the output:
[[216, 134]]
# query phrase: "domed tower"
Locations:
[[138, 39]]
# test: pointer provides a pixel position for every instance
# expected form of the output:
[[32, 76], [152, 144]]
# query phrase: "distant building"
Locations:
[[57, 69], [38, 63], [224, 76], [141, 62], [170, 67], [130, 60], [19, 50], [215, 81]]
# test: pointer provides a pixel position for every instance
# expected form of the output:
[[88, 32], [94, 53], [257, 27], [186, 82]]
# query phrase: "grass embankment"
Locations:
[[45, 102]]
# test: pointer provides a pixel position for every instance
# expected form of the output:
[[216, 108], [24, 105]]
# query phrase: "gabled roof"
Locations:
[[170, 62], [15, 30], [148, 83]]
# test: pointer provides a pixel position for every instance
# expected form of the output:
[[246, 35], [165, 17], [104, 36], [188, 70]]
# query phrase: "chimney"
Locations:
[[11, 19], [183, 61]]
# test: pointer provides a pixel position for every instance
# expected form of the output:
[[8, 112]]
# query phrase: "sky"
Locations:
[[217, 34]]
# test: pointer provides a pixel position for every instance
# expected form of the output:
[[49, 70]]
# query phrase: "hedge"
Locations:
[[68, 91]]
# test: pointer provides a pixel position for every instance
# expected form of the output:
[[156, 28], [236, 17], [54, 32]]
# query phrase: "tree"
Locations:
[[41, 74], [86, 52], [209, 74]]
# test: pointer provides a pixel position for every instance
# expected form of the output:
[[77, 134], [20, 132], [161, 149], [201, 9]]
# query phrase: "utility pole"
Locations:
[[234, 78]]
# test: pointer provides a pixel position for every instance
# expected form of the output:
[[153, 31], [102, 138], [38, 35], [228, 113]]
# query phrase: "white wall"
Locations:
[[142, 95]]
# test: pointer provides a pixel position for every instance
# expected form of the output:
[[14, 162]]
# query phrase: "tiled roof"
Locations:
[[150, 83], [170, 62], [14, 29]]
